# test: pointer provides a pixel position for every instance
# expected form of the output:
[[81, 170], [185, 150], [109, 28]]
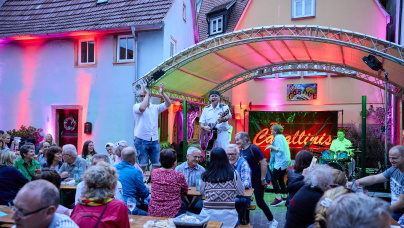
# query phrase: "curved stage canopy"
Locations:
[[225, 61]]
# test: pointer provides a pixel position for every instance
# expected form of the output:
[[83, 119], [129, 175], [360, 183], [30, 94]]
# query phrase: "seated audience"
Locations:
[[6, 138], [94, 161], [166, 201], [119, 146], [359, 211], [338, 177], [35, 206], [97, 206], [132, 180], [53, 177], [109, 147], [48, 138], [301, 207], [3, 146], [325, 202], [220, 184], [242, 167], [71, 161], [27, 163], [394, 174], [11, 179], [190, 169], [88, 151], [54, 158], [42, 154], [295, 177]]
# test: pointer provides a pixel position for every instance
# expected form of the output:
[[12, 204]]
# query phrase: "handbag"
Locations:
[[268, 175]]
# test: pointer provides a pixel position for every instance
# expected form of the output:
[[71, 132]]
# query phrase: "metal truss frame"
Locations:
[[337, 69], [344, 38]]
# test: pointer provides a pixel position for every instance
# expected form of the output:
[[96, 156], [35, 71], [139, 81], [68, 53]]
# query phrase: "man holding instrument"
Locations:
[[212, 120]]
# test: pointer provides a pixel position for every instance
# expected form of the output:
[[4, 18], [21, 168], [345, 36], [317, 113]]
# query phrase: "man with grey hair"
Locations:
[[71, 161], [359, 211], [35, 207], [191, 169], [394, 174], [94, 161], [302, 206], [243, 168], [132, 180]]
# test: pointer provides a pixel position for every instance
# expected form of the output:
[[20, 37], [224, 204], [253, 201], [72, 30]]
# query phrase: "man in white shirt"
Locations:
[[35, 206], [146, 127], [212, 118]]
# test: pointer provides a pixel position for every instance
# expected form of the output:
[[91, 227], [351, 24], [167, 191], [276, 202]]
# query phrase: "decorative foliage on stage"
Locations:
[[299, 128]]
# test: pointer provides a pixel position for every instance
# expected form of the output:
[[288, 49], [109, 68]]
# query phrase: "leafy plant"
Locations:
[[26, 132], [374, 143]]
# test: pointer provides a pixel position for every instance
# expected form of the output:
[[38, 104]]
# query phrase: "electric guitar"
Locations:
[[207, 138]]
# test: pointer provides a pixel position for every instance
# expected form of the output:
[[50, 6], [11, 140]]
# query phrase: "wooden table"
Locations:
[[192, 192], [6, 219], [141, 220], [67, 187]]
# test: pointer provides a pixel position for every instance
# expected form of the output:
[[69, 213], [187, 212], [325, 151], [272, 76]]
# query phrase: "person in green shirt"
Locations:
[[27, 163]]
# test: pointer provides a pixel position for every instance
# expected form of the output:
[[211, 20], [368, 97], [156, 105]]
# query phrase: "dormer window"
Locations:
[[216, 25], [218, 18]]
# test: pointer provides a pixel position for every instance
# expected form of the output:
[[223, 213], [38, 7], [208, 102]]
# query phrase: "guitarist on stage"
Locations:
[[210, 119]]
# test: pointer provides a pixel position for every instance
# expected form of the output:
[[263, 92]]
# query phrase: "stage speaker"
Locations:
[[372, 62]]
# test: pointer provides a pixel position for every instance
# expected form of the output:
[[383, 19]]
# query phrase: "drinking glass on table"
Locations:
[[131, 203]]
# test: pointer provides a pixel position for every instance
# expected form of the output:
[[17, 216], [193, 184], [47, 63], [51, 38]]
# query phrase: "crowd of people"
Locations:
[[113, 181]]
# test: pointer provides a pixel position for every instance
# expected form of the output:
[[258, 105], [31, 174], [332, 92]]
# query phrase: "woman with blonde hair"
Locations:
[[11, 179], [323, 204], [98, 199]]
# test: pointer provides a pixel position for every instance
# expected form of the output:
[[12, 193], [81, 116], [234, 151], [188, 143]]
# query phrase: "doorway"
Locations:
[[68, 124]]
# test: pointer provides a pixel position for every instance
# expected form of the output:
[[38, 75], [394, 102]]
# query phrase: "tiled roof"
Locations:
[[224, 6], [208, 5], [59, 16]]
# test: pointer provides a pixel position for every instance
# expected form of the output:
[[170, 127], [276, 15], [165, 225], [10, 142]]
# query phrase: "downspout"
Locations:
[[133, 28]]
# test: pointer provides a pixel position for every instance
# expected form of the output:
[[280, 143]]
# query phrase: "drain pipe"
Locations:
[[133, 28]]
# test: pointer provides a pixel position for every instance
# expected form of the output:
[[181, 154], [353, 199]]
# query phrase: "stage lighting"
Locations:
[[373, 62]]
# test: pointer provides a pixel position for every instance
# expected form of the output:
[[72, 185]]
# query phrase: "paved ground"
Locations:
[[258, 219]]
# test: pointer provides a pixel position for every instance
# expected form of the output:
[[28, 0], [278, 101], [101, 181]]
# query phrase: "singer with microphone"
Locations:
[[214, 119]]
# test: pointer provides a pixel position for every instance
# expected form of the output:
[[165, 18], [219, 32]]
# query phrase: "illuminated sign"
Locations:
[[299, 129]]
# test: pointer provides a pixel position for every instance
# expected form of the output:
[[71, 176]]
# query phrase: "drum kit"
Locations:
[[339, 160]]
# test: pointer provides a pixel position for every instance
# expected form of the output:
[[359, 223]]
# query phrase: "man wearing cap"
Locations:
[[146, 127], [211, 115]]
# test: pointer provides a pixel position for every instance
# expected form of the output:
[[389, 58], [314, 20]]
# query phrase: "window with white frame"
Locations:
[[314, 73], [303, 8], [125, 49], [289, 74], [86, 52], [216, 25], [173, 47], [184, 12]]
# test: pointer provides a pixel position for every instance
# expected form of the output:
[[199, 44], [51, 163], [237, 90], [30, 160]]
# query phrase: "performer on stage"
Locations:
[[211, 116], [341, 143], [146, 127]]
